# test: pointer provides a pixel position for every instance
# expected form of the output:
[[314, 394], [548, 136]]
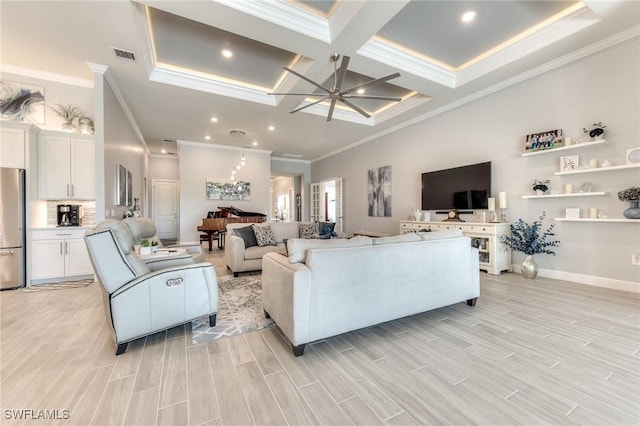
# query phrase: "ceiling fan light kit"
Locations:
[[335, 94]]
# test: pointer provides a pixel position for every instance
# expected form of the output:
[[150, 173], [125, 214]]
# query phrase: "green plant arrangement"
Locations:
[[68, 113], [632, 195], [145, 243], [530, 240], [154, 243]]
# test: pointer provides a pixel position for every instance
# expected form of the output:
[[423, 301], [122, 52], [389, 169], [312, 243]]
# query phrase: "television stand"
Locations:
[[493, 255]]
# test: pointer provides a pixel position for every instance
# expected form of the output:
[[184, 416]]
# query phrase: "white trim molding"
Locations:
[[45, 75]]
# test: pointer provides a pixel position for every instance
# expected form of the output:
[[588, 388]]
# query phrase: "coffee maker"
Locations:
[[68, 214]]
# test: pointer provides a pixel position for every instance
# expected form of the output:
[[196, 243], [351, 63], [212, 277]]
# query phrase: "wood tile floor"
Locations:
[[530, 352]]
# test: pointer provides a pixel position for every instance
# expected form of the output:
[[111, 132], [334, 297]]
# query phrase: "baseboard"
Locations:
[[587, 279]]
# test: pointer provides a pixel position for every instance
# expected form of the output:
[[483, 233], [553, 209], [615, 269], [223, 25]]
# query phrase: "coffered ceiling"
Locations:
[[180, 78]]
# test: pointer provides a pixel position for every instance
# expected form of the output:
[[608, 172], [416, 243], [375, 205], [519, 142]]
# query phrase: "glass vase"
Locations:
[[633, 212]]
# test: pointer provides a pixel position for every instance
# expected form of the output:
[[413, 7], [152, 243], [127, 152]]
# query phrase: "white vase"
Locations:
[[530, 268], [145, 250]]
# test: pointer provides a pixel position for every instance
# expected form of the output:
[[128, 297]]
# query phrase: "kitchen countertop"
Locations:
[[59, 228]]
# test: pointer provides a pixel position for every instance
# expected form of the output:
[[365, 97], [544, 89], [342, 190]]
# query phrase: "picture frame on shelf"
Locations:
[[572, 213], [569, 163], [633, 155], [544, 140]]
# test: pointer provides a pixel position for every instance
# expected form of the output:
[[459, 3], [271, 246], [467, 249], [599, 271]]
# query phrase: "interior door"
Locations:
[[165, 208], [316, 192]]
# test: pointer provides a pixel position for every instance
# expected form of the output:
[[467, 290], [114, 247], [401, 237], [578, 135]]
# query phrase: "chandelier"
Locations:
[[236, 167]]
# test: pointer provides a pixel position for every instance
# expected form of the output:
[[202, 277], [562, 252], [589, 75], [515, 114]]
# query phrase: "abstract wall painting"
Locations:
[[226, 189], [121, 185], [379, 181], [21, 102]]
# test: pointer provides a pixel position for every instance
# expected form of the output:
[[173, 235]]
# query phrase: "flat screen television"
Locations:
[[461, 188]]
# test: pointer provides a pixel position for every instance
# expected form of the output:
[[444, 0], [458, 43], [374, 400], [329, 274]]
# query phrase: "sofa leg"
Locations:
[[122, 347], [236, 274], [298, 350], [472, 302], [266, 315], [212, 320]]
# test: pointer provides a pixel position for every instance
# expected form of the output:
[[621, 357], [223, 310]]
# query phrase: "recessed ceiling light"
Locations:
[[271, 128], [226, 53], [164, 151], [214, 119], [255, 143], [468, 16], [360, 91], [207, 137]]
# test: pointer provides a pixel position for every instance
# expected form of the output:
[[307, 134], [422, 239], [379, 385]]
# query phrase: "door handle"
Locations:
[[66, 248], [6, 252], [60, 248], [67, 190], [72, 190]]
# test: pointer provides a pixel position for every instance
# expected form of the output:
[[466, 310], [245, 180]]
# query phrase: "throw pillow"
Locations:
[[308, 230], [264, 235], [248, 235], [326, 229]]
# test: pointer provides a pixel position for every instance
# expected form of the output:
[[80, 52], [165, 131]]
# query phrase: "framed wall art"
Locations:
[[226, 189], [121, 185], [544, 140], [379, 182], [569, 163], [21, 102]]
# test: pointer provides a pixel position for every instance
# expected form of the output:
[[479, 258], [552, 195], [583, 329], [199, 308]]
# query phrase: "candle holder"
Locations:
[[493, 216], [503, 215]]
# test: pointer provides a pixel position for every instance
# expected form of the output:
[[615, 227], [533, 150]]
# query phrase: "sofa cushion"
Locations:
[[308, 230], [402, 238], [257, 252], [248, 235], [282, 230], [297, 247], [325, 229], [264, 235], [439, 235]]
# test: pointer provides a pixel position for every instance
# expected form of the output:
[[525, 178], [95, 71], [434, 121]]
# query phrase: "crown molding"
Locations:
[[45, 75], [164, 156], [291, 160], [285, 15]]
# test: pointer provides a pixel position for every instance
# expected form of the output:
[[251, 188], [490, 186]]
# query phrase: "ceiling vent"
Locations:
[[124, 54]]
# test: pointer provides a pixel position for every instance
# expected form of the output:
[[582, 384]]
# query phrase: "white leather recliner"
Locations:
[[140, 301]]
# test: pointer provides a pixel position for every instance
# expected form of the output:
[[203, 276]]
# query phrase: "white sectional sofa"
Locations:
[[328, 287]]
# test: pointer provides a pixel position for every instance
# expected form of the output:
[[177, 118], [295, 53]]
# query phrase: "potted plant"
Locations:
[[68, 114], [145, 247], [154, 246], [529, 239], [632, 195], [540, 186]]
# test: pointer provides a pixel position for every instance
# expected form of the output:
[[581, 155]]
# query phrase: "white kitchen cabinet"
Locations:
[[67, 167], [59, 254], [14, 144]]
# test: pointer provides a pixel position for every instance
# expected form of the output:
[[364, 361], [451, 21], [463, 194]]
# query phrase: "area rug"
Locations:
[[64, 285], [239, 310]]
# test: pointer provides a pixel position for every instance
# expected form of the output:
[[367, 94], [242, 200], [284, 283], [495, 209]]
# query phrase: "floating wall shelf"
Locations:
[[564, 148], [616, 219], [577, 194], [599, 169]]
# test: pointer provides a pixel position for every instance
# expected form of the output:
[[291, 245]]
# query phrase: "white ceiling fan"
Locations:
[[335, 93]]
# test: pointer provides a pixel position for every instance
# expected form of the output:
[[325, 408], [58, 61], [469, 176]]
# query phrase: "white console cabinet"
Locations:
[[59, 254], [494, 256], [67, 166]]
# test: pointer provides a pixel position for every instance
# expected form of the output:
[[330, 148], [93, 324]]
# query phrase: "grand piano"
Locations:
[[215, 224]]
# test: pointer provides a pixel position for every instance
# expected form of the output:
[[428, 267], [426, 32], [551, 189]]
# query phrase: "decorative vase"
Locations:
[[145, 250], [633, 212], [68, 126], [529, 268]]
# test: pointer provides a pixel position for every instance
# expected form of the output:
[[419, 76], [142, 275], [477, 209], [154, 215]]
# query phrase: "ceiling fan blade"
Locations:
[[382, 98], [331, 108], [371, 82], [298, 94], [354, 107], [342, 72], [306, 79], [308, 105]]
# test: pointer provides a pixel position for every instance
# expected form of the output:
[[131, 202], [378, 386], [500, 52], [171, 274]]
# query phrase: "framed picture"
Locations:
[[129, 189], [544, 140], [121, 185], [633, 155], [379, 181], [572, 213], [226, 189], [21, 102], [569, 163]]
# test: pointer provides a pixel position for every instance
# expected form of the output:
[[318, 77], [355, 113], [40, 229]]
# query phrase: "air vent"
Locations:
[[124, 54]]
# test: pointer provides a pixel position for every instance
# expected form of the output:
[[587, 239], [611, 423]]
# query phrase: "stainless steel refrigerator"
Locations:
[[12, 230]]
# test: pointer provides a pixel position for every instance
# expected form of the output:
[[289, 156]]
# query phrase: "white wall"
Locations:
[[121, 145], [201, 161], [602, 87], [301, 168]]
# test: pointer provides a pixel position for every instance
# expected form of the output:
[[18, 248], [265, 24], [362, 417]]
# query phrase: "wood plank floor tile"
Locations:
[[323, 406], [174, 415], [112, 408], [143, 408], [233, 407], [293, 406], [202, 395], [359, 412], [262, 404], [173, 385], [264, 356], [150, 370]]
